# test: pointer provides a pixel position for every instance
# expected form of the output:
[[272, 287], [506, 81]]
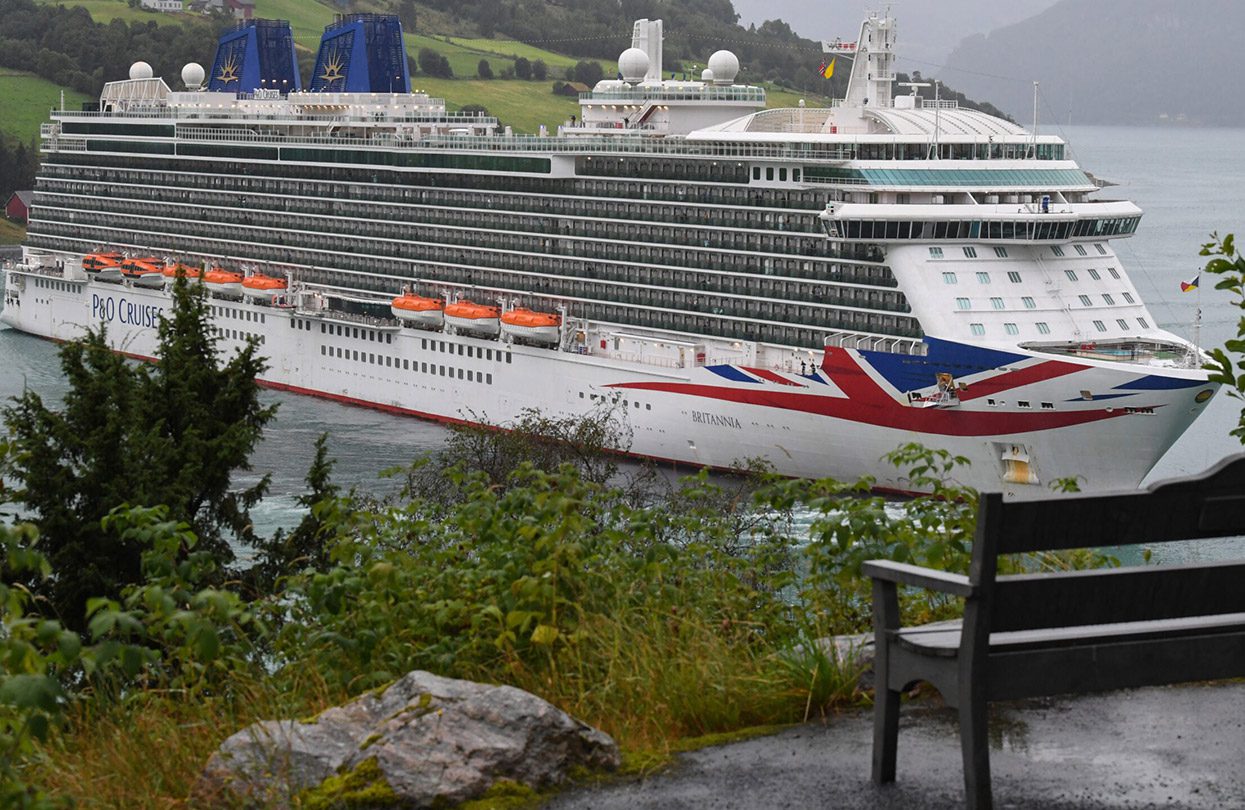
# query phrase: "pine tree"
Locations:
[[172, 434]]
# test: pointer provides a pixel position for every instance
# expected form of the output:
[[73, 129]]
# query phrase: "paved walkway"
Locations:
[[1176, 747]]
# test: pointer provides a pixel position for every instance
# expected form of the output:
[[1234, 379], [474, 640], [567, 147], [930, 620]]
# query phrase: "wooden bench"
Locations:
[[1049, 633]]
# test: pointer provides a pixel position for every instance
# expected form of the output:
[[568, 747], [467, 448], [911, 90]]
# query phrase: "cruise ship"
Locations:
[[811, 287]]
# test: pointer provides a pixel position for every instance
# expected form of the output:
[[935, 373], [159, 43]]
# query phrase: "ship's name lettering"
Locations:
[[124, 311], [705, 418]]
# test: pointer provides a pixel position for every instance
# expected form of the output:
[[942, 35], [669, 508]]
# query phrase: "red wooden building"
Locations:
[[17, 208]]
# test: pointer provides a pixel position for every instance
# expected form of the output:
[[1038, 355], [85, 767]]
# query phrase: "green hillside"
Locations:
[[25, 100], [105, 11]]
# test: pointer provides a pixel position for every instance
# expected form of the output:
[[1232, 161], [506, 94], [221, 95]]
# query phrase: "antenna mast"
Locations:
[[1035, 119]]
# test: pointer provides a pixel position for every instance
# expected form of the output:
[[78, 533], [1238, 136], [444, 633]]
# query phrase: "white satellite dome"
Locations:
[[725, 66], [192, 76], [706, 75], [141, 70], [633, 65]]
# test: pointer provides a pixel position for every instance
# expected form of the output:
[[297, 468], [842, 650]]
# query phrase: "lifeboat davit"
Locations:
[[259, 285], [476, 319], [104, 266], [223, 281], [176, 269], [526, 324], [415, 309], [146, 271]]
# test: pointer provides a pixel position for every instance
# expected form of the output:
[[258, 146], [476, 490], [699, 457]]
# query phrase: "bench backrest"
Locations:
[[1210, 505]]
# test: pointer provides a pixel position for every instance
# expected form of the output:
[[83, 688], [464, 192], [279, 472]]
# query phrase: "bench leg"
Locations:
[[885, 733], [975, 746]]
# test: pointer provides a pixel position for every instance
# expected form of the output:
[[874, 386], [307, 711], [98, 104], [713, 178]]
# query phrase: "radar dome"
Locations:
[[725, 66], [141, 70], [633, 65], [706, 75], [192, 76]]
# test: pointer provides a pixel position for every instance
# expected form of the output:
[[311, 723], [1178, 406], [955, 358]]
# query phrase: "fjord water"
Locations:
[[1188, 181]]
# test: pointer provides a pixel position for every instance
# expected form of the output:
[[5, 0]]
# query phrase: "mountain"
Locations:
[[927, 31], [1113, 62]]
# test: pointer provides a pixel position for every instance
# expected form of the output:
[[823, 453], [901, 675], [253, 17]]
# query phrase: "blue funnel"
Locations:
[[255, 55], [362, 53]]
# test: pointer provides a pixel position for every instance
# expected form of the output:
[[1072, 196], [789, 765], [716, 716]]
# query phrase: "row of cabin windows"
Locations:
[[781, 174], [1014, 276], [380, 184], [547, 274], [626, 403], [982, 229], [236, 334], [406, 364], [1043, 328], [425, 344], [238, 313], [408, 221], [380, 202], [1028, 303], [704, 171], [360, 272], [58, 285]]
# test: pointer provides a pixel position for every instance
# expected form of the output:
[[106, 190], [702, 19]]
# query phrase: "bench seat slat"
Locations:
[[1126, 664], [1032, 601], [943, 638]]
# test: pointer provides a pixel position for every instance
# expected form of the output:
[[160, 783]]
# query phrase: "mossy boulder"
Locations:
[[426, 741]]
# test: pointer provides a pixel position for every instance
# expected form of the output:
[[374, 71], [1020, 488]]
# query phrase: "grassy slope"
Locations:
[[104, 11], [522, 105], [11, 233], [25, 100]]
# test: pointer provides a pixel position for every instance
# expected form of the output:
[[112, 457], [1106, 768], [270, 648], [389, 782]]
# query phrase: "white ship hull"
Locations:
[[838, 419]]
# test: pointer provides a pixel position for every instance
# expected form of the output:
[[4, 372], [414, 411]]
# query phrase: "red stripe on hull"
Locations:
[[1047, 370]]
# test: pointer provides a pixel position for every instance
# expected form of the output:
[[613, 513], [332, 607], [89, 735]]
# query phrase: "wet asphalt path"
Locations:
[[1174, 747]]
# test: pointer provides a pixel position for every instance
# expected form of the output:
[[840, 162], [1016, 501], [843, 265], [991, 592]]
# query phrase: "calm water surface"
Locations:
[[1188, 181]]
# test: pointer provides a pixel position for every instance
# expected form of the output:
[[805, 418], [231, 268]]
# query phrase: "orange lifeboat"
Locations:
[[224, 281], [105, 266], [146, 271], [259, 285], [172, 271], [419, 311], [527, 324], [470, 317]]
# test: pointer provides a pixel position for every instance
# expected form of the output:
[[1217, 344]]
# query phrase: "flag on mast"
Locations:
[[1186, 286], [828, 70]]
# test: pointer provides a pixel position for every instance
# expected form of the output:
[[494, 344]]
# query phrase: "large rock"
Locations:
[[423, 740]]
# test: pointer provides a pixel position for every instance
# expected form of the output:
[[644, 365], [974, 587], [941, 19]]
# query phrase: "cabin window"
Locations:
[[1085, 302], [1028, 302], [1129, 298], [977, 329], [983, 278], [1080, 250], [1055, 249], [1011, 329], [1043, 329], [963, 303], [970, 252], [997, 303], [1106, 297], [1013, 277], [1071, 274], [1001, 252], [1100, 326], [1142, 323], [935, 253], [1123, 323]]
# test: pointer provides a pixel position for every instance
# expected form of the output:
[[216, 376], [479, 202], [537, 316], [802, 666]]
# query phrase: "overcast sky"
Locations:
[[928, 29]]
